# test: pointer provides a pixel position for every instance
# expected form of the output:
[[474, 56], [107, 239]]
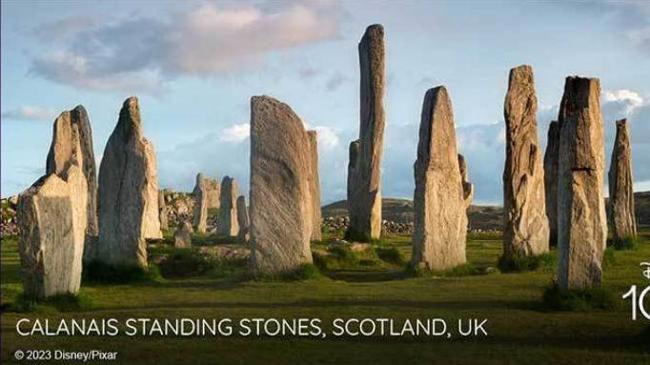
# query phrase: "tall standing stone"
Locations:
[[442, 195], [364, 169], [201, 196], [582, 222], [242, 219], [60, 154], [163, 211], [211, 189], [551, 157], [526, 230], [314, 187], [53, 215], [280, 205], [621, 194], [227, 224], [128, 192]]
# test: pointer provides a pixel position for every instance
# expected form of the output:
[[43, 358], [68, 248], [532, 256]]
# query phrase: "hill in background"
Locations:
[[480, 217]]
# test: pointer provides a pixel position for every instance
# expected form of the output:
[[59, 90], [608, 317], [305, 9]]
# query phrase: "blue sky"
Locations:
[[195, 64]]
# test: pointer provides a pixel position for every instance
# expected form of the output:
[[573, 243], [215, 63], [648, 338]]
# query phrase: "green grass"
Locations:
[[522, 329], [391, 255]]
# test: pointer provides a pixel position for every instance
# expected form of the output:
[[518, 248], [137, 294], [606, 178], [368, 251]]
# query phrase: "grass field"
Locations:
[[371, 284]]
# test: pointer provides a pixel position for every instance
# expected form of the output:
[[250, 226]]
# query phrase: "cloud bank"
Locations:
[[142, 53]]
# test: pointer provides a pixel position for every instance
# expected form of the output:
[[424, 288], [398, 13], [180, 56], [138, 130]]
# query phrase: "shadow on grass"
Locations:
[[519, 264], [584, 300], [97, 272], [61, 302], [361, 275]]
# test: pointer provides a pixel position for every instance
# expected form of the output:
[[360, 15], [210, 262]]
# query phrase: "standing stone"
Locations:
[[364, 169], [314, 187], [214, 193], [211, 189], [468, 188], [227, 219], [163, 211], [59, 157], [280, 206], [53, 216], [582, 222], [621, 194], [551, 157], [442, 195], [242, 219], [128, 192], [183, 235], [200, 213], [526, 230]]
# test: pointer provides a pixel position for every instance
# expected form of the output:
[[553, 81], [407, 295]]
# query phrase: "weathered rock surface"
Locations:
[[201, 196], [53, 216], [163, 211], [280, 206], [59, 157], [314, 187], [621, 195], [183, 235], [128, 192], [526, 229], [441, 201], [210, 188], [227, 224], [582, 222], [364, 169], [551, 157], [242, 219]]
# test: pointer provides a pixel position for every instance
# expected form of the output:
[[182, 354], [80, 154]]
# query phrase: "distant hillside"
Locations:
[[401, 211], [480, 217]]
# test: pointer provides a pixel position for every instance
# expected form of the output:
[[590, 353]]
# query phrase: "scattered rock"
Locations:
[[226, 252]]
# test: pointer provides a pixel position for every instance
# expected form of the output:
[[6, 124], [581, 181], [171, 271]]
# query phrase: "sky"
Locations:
[[195, 64]]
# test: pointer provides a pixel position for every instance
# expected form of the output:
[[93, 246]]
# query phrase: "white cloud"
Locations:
[[327, 137], [29, 113], [630, 99], [139, 54], [236, 133]]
